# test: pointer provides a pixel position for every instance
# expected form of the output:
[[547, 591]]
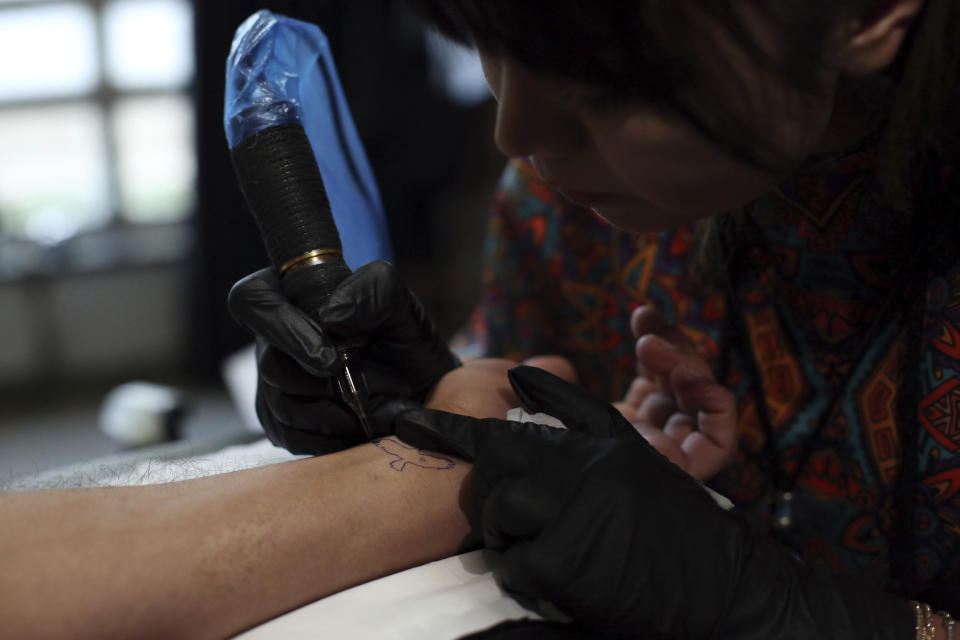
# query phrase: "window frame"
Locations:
[[103, 97]]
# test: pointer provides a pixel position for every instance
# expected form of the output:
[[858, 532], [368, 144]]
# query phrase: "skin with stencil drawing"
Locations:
[[404, 454]]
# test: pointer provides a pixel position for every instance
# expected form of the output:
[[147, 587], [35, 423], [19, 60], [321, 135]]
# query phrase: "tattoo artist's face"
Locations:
[[640, 168]]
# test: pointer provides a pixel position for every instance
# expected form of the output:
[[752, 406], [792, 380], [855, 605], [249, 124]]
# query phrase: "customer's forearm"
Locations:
[[213, 556]]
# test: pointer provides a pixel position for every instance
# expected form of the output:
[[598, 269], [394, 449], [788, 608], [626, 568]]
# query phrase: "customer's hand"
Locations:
[[675, 402], [401, 356], [593, 521]]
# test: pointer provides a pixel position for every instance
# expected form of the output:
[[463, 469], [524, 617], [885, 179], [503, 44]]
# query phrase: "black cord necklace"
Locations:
[[736, 331], [782, 516]]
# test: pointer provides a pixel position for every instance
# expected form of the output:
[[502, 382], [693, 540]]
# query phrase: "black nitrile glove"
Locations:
[[611, 533], [401, 356], [532, 630]]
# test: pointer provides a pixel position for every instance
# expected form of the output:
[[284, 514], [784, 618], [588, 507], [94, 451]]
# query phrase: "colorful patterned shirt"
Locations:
[[825, 257]]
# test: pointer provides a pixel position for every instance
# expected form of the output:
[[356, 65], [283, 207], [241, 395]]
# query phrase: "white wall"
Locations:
[[93, 324]]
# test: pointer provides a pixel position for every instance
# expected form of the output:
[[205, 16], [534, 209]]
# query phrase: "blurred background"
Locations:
[[121, 226]]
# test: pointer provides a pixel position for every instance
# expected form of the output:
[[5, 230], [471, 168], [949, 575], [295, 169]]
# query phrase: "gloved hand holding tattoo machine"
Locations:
[[317, 325]]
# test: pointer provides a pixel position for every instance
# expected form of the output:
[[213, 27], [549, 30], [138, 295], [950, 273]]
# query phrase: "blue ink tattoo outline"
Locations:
[[400, 462]]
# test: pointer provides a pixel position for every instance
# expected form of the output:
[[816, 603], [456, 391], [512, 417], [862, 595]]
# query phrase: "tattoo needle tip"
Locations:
[[351, 396]]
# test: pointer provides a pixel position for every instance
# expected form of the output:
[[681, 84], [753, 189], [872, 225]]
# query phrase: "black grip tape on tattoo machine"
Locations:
[[281, 182]]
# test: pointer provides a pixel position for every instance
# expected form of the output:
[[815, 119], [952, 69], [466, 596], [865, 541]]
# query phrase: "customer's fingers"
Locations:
[[658, 357], [712, 445], [648, 320], [679, 426], [657, 408], [639, 389]]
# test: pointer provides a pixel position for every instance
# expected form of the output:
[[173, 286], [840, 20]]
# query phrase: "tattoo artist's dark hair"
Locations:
[[665, 53]]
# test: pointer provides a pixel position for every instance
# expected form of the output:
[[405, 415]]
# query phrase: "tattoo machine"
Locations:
[[302, 168]]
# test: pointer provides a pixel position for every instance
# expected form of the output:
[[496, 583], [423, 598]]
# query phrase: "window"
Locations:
[[96, 122]]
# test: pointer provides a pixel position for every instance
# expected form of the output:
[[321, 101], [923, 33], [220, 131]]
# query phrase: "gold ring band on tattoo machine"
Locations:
[[317, 256]]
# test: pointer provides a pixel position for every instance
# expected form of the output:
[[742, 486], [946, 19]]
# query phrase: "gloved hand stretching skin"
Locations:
[[597, 523], [401, 356]]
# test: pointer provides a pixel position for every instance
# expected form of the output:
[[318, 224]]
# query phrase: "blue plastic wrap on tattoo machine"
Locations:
[[280, 71]]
